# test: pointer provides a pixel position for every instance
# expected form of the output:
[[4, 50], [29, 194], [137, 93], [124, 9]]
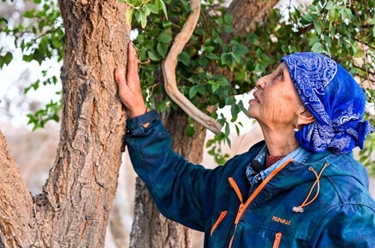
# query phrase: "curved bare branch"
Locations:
[[169, 68]]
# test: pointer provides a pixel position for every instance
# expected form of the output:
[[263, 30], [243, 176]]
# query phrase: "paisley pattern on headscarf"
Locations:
[[334, 98]]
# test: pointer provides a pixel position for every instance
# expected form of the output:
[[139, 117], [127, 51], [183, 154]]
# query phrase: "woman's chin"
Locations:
[[251, 113]]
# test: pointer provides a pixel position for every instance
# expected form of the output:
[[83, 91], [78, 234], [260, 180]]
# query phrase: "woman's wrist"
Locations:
[[132, 113]]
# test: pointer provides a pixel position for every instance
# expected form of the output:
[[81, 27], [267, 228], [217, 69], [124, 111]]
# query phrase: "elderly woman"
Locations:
[[300, 187]]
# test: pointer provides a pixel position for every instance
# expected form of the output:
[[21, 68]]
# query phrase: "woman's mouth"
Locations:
[[255, 99]]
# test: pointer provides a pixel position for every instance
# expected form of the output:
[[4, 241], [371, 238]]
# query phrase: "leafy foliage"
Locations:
[[40, 36]]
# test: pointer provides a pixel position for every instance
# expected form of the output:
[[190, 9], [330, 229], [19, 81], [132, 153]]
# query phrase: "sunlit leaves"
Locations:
[[5, 59], [141, 9], [42, 116], [40, 36]]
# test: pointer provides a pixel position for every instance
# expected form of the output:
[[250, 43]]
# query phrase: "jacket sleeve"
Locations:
[[353, 225], [182, 191]]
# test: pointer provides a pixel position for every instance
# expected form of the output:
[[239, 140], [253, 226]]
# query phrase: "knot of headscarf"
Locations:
[[334, 98]]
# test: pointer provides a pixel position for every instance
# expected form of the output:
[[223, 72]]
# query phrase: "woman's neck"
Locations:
[[280, 143]]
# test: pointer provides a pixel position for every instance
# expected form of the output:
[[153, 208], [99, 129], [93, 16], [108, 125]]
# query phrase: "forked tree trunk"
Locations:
[[73, 209]]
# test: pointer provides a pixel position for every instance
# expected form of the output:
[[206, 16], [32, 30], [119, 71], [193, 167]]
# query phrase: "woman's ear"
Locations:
[[304, 116]]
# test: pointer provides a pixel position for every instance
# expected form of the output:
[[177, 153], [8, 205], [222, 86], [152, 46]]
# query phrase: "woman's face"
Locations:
[[276, 101]]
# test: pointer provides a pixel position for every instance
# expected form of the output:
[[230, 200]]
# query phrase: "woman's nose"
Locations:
[[261, 82]]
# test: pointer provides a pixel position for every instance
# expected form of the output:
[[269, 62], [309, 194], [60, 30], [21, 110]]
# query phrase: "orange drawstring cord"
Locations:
[[299, 209]]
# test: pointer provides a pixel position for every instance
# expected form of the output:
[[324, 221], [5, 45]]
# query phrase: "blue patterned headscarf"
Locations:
[[334, 98]]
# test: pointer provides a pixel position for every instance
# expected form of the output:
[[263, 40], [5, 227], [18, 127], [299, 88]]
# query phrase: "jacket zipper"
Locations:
[[277, 241], [243, 207], [218, 221]]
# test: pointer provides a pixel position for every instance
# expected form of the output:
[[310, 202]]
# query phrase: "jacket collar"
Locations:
[[298, 171]]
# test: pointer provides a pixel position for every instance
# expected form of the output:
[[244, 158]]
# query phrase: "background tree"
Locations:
[[230, 48]]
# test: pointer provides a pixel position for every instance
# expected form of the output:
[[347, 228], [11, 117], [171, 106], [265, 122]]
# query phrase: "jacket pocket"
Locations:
[[276, 242], [218, 221]]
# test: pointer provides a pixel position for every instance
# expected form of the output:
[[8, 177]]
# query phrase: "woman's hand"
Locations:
[[130, 86]]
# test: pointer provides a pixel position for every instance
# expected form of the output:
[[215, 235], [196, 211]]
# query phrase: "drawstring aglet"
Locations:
[[297, 209]]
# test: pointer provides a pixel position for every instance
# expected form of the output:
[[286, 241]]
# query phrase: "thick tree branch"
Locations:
[[246, 13], [169, 68], [16, 203]]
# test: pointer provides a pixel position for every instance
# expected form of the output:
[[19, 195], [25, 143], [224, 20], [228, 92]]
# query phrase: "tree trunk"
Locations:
[[74, 207]]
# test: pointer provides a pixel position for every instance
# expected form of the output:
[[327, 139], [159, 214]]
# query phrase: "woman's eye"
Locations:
[[279, 75]]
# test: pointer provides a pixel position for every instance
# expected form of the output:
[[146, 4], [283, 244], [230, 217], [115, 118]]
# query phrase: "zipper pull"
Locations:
[[277, 241]]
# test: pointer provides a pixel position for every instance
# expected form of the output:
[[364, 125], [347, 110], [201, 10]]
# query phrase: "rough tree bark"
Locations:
[[73, 209], [150, 229], [246, 13]]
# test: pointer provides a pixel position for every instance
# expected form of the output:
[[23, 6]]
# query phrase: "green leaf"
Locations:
[[193, 91], [143, 54], [201, 89], [212, 56], [184, 58], [29, 13], [153, 56], [203, 61], [143, 19], [152, 8], [8, 58], [318, 28], [329, 5], [236, 57], [129, 15], [228, 29], [334, 14], [218, 41], [307, 19], [190, 130], [162, 49], [161, 4], [167, 24], [208, 49], [165, 38], [234, 111], [317, 47], [220, 21], [228, 19], [312, 8], [214, 85], [242, 49], [219, 136], [226, 59]]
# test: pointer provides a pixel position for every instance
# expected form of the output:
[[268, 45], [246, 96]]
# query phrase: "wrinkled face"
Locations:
[[276, 102]]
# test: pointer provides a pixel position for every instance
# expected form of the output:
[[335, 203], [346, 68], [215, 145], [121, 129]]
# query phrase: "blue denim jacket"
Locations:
[[321, 201]]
